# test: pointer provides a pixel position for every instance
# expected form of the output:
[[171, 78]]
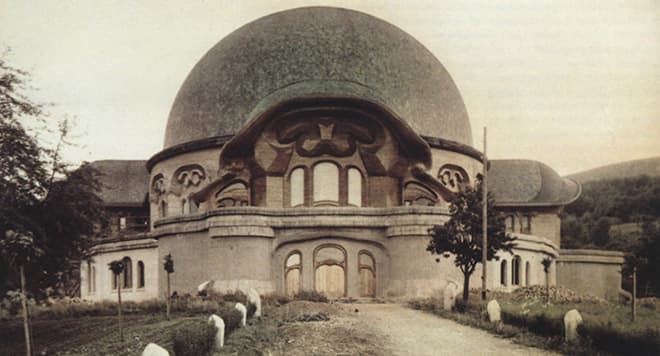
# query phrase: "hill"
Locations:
[[628, 169]]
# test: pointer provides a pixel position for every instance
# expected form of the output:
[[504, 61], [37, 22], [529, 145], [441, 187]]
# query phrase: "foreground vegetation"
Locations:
[[527, 319]]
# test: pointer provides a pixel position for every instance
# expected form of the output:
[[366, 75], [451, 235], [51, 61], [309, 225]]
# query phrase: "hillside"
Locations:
[[628, 169]]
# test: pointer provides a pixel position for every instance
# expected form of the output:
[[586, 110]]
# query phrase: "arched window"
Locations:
[[515, 271], [510, 223], [528, 274], [127, 276], [354, 187], [235, 194], [297, 186], [503, 271], [292, 273], [140, 271], [93, 279], [114, 279], [326, 184], [417, 194], [163, 209], [184, 207]]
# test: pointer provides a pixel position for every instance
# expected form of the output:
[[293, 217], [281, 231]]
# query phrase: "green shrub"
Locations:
[[608, 338], [196, 340], [251, 309], [275, 299], [312, 296], [540, 324], [231, 317]]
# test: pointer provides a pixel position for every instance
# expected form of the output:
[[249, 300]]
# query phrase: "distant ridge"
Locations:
[[628, 169]]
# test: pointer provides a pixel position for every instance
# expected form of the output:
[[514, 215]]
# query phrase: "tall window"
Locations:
[[89, 277], [297, 186], [528, 274], [515, 271], [326, 184], [122, 223], [163, 209], [140, 270], [128, 273], [93, 279], [526, 227], [509, 221], [184, 206], [503, 273], [354, 187]]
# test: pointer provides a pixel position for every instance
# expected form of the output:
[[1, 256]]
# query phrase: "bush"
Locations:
[[196, 340], [540, 324], [312, 296], [251, 309], [231, 317], [275, 299], [609, 339]]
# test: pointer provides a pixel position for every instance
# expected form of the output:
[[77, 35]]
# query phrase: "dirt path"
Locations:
[[413, 332]]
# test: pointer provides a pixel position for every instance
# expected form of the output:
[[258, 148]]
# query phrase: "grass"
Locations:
[[607, 327]]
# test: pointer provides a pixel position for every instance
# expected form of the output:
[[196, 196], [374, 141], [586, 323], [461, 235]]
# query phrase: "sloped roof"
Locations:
[[516, 182], [125, 183], [315, 52]]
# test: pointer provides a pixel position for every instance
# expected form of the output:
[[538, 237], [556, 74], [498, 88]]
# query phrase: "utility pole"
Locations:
[[484, 247]]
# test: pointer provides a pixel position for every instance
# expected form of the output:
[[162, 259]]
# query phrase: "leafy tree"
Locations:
[[462, 235], [19, 249], [547, 262], [39, 193], [600, 232], [117, 267]]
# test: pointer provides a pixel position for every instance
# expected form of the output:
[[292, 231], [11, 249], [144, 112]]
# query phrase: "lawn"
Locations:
[[528, 319]]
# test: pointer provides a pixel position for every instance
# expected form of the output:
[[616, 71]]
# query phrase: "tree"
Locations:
[[39, 193], [462, 235], [168, 266], [117, 267], [20, 250]]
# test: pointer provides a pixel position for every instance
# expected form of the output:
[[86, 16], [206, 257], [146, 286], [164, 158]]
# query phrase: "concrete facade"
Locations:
[[341, 171]]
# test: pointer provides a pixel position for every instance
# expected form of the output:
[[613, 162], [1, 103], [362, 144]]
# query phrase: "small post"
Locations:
[[168, 296], [484, 247], [634, 293], [121, 328]]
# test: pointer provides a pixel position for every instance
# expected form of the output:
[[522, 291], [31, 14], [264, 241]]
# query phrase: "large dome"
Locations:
[[312, 52]]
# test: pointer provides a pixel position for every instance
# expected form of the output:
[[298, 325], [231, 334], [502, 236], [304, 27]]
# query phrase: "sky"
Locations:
[[573, 84]]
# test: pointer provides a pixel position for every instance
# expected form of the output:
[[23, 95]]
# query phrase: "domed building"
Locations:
[[312, 149]]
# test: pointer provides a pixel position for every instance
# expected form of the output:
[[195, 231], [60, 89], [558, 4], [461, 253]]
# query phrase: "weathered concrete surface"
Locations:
[[413, 332]]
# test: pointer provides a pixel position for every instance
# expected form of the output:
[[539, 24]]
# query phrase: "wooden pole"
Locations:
[[168, 296], [634, 293], [26, 327], [484, 247], [121, 329]]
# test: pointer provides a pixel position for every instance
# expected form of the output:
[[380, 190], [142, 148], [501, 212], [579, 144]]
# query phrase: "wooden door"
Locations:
[[292, 282], [367, 283], [330, 281]]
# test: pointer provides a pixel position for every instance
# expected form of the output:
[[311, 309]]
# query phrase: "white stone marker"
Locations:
[[571, 321], [449, 296], [254, 298], [205, 287], [241, 308], [494, 311], [220, 333], [154, 350]]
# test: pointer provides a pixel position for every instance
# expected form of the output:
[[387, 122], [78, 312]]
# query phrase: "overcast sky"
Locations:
[[574, 84]]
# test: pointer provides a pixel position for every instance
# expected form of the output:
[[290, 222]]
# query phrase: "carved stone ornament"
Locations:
[[453, 177], [186, 177], [158, 187]]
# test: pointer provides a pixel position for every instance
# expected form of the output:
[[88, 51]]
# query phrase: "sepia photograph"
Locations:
[[366, 177]]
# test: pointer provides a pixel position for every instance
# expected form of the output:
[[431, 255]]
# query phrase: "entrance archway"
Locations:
[[330, 271]]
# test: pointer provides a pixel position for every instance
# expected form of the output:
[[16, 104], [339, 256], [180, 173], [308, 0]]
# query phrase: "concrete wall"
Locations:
[[592, 272], [144, 250]]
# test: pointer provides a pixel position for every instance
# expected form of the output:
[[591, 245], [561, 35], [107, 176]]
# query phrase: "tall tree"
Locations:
[[39, 193], [462, 235], [117, 267]]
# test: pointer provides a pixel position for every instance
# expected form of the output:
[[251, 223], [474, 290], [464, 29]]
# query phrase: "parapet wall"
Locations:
[[593, 272]]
